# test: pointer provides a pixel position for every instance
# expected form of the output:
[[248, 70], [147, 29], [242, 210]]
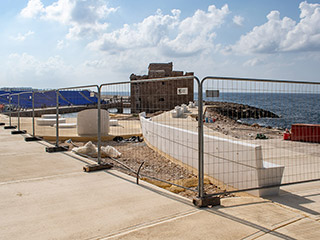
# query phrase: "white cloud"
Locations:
[[168, 33], [25, 69], [284, 35], [25, 62], [33, 9], [21, 37], [253, 62], [238, 20], [61, 44], [84, 18]]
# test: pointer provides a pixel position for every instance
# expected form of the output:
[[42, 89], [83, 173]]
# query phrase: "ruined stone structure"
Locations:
[[160, 95]]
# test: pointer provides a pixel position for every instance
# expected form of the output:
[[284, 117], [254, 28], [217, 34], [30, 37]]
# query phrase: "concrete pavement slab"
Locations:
[[302, 229], [81, 206], [47, 196], [259, 211], [198, 225], [23, 160], [30, 165], [301, 197]]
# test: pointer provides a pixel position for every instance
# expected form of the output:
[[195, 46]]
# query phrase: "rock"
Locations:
[[256, 125], [175, 189], [157, 183], [237, 111], [189, 182]]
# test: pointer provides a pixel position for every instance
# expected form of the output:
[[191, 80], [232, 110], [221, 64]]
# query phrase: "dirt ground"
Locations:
[[133, 154]]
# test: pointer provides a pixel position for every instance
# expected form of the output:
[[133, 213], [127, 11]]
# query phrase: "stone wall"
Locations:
[[160, 95]]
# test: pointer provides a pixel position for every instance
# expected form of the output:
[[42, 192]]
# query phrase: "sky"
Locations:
[[62, 43]]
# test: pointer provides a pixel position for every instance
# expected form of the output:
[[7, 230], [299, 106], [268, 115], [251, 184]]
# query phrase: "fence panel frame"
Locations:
[[202, 135], [60, 148], [200, 128]]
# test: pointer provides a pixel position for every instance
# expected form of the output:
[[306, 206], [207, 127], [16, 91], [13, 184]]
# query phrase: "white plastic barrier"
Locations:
[[87, 122], [49, 121], [50, 116], [66, 125], [113, 122], [235, 163]]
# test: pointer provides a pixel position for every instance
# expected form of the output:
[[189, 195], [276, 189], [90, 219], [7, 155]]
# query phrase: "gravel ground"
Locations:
[[133, 154]]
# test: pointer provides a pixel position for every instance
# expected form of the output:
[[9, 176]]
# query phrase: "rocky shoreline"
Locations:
[[237, 111], [224, 118]]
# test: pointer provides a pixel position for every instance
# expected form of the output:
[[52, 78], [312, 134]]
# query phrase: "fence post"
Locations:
[[33, 137], [19, 131], [200, 143], [202, 200], [57, 118], [99, 124], [57, 148], [10, 113], [33, 115]]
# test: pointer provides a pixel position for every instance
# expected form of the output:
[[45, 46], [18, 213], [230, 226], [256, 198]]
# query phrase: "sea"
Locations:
[[291, 107]]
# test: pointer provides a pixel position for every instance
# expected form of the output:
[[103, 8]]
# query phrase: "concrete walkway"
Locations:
[[48, 196]]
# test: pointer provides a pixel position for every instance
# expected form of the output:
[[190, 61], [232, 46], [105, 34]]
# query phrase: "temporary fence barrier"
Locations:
[[74, 100], [4, 101], [10, 110], [247, 144], [21, 103], [215, 137], [157, 111], [41, 114]]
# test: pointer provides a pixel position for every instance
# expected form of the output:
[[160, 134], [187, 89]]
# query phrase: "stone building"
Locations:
[[160, 95]]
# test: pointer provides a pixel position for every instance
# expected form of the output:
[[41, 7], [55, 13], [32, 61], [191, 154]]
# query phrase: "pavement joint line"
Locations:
[[295, 211], [278, 227], [148, 224], [39, 178]]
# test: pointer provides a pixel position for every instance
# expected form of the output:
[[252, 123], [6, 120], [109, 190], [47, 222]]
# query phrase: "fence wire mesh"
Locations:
[[5, 107], [42, 119], [251, 133], [260, 133], [154, 126]]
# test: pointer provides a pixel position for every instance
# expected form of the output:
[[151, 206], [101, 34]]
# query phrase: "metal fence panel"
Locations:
[[78, 116], [4, 106], [246, 122], [42, 113], [153, 123]]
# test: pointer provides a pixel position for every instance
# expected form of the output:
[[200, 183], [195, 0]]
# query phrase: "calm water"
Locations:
[[293, 108]]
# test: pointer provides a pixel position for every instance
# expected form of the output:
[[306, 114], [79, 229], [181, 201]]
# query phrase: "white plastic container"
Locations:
[[87, 122]]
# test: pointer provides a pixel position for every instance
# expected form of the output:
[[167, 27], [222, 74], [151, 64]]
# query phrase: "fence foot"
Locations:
[[206, 201], [2, 124], [97, 167], [19, 132], [57, 149], [31, 139], [10, 127]]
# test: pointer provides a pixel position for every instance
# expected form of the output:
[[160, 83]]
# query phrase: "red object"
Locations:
[[286, 136], [305, 132]]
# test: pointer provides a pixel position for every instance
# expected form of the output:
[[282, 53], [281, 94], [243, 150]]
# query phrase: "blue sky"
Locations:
[[59, 43]]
